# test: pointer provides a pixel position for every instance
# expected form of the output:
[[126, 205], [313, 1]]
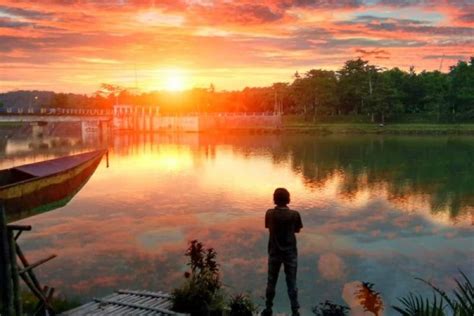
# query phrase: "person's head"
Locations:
[[281, 197]]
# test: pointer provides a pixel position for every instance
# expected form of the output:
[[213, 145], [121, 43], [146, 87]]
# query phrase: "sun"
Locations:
[[175, 81]]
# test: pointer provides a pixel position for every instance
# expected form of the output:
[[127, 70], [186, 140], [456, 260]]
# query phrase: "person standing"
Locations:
[[282, 223]]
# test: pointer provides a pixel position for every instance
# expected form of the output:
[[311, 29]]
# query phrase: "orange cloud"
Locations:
[[114, 40]]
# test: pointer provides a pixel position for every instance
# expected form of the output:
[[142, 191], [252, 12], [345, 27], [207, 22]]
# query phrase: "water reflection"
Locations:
[[378, 209], [437, 169]]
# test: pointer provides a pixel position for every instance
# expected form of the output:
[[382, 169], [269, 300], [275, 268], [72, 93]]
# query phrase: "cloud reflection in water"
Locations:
[[369, 214]]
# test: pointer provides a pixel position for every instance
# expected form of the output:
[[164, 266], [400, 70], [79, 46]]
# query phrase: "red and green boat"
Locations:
[[38, 187]]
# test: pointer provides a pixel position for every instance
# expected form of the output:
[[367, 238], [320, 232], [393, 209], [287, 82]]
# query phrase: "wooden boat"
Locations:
[[38, 187]]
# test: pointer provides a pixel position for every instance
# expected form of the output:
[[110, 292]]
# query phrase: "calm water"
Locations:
[[376, 209]]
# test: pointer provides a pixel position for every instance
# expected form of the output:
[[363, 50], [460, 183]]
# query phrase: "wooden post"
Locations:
[[6, 289], [14, 271]]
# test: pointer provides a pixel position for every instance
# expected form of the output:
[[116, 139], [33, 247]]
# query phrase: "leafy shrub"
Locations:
[[330, 309], [201, 292], [241, 305]]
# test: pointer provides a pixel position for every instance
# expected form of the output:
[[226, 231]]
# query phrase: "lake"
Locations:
[[378, 209]]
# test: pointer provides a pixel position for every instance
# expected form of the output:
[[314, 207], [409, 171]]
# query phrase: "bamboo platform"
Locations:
[[127, 302]]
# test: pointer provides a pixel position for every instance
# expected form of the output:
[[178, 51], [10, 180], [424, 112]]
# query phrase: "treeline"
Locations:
[[357, 89]]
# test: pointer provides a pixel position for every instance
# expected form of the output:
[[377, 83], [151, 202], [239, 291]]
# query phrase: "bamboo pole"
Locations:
[[14, 271], [38, 293], [15, 280], [6, 289], [31, 281], [34, 265], [25, 263]]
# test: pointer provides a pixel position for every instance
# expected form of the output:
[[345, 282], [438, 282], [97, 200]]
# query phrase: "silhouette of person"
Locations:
[[282, 224]]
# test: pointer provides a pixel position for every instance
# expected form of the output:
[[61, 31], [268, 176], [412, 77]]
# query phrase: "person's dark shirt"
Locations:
[[282, 223]]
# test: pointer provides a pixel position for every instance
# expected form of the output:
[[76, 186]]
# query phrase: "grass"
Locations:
[[60, 303], [365, 128], [11, 124]]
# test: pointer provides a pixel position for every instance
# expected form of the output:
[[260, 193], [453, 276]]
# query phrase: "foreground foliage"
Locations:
[[330, 309], [201, 292], [461, 303], [60, 303], [241, 305]]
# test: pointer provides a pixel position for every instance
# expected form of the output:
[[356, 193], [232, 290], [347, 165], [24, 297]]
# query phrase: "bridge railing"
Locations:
[[56, 111]]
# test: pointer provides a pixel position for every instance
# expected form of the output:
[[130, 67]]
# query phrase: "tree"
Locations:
[[111, 90], [462, 89], [281, 91], [354, 85], [413, 92], [322, 86], [385, 97], [300, 95], [436, 87], [60, 100]]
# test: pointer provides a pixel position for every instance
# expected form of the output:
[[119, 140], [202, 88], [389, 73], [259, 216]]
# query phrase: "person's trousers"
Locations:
[[290, 265]]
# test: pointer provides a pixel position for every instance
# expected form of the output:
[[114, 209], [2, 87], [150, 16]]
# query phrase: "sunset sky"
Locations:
[[73, 46]]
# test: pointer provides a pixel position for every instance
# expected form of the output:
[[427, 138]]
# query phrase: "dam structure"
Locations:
[[123, 117], [149, 119]]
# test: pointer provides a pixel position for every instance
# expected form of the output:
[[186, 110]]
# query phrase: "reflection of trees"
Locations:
[[436, 168], [405, 165], [3, 144], [369, 299]]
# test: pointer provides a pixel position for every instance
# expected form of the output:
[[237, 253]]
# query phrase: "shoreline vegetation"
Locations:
[[360, 129], [300, 126], [358, 92]]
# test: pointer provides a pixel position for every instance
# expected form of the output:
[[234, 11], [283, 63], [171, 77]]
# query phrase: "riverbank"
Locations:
[[357, 128], [302, 127], [10, 124], [363, 128]]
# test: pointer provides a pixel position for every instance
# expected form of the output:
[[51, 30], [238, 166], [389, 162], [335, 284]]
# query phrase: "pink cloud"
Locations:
[[268, 35]]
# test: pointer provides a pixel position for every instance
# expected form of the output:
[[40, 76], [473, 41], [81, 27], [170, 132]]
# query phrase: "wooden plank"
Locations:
[[110, 309], [123, 310], [166, 304], [145, 293], [146, 301], [127, 302], [160, 310], [128, 299]]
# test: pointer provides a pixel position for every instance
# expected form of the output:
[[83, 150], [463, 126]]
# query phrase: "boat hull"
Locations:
[[48, 192]]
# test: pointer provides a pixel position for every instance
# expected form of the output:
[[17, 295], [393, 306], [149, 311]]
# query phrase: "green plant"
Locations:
[[241, 305], [462, 304], [419, 306], [330, 309], [60, 303], [201, 292]]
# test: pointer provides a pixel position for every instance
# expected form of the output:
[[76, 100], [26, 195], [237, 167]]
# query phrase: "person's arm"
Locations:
[[267, 220], [298, 223]]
